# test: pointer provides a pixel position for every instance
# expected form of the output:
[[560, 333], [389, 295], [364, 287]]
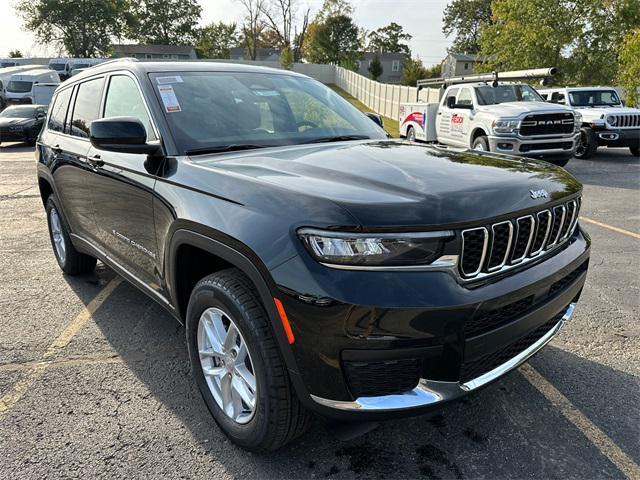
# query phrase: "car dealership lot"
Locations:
[[110, 394]]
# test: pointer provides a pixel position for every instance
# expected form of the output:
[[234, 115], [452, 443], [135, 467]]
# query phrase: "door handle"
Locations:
[[56, 149], [95, 161]]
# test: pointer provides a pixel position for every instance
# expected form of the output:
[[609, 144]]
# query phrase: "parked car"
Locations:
[[484, 113], [22, 123], [20, 87], [43, 93], [605, 120], [317, 265]]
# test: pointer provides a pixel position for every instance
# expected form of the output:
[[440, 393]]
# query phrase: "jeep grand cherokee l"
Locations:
[[317, 265]]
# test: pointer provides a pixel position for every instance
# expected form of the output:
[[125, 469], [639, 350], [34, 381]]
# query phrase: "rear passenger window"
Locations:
[[59, 111], [124, 100], [87, 107]]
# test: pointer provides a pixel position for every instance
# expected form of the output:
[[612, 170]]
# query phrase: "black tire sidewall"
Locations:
[[411, 132], [591, 143], [52, 202], [252, 433]]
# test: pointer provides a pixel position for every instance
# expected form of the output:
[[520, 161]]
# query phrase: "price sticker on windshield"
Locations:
[[169, 99]]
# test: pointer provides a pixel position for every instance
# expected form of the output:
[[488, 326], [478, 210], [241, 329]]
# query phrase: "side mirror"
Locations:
[[120, 134], [451, 102], [40, 116], [375, 118]]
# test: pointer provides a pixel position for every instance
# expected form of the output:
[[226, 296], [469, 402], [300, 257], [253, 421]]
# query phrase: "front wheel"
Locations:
[[71, 261], [587, 144], [635, 151], [237, 364], [481, 144]]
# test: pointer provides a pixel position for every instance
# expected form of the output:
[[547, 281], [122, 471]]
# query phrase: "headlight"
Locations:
[[612, 120], [577, 119], [374, 249], [505, 125]]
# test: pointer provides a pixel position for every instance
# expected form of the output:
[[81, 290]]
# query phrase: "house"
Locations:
[[157, 52], [457, 64], [392, 64], [262, 54]]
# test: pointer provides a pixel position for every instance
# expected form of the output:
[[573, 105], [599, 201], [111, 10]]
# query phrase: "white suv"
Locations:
[[605, 119]]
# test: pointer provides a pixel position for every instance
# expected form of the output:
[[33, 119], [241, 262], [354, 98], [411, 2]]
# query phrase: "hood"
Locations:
[[591, 113], [6, 121], [514, 109], [394, 183]]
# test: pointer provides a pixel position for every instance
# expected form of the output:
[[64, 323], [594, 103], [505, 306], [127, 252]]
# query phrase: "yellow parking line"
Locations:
[[33, 373], [611, 227], [596, 436]]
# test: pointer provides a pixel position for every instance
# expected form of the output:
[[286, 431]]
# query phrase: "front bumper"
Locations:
[[384, 318], [558, 146], [619, 137]]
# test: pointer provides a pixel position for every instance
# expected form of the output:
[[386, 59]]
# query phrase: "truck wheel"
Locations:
[[237, 364], [411, 134], [481, 144], [587, 144], [635, 151], [71, 261]]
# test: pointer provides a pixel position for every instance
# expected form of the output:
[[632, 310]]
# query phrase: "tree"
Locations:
[[253, 25], [281, 18], [166, 22], [84, 28], [286, 58], [389, 39], [333, 8], [334, 40], [465, 19], [375, 68], [216, 40], [629, 70], [15, 54], [413, 70]]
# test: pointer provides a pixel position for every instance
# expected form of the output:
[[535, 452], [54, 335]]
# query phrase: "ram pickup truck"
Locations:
[[316, 265], [605, 120], [509, 118]]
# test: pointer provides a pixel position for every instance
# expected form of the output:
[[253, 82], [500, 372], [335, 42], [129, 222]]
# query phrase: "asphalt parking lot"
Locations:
[[100, 387]]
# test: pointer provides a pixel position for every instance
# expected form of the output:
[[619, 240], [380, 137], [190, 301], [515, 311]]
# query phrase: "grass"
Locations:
[[390, 125]]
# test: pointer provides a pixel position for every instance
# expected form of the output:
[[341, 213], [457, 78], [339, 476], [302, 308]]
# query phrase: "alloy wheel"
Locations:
[[56, 233], [227, 365]]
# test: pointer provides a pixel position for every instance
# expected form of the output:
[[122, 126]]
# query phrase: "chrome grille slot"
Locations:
[[497, 247], [474, 250], [628, 120]]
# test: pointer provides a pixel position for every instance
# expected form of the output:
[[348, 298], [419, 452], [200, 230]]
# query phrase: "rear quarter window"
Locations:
[[59, 110]]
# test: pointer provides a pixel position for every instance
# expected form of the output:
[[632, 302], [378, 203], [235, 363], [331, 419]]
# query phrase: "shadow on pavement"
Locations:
[[610, 167], [506, 430]]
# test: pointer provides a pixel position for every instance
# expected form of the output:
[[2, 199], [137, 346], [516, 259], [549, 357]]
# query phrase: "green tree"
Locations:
[[216, 40], [286, 58], [389, 39], [464, 19], [413, 70], [334, 40], [629, 70], [166, 22], [84, 28], [375, 68], [15, 54], [333, 8]]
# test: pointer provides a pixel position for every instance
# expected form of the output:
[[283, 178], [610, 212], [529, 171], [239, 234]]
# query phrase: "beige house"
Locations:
[[457, 64]]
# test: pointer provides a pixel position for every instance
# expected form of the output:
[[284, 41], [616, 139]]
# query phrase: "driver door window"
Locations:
[[124, 100]]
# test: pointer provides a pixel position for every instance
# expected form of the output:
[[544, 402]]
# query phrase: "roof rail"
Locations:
[[494, 77], [123, 59]]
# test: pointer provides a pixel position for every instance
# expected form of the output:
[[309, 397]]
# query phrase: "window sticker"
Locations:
[[168, 80], [169, 99]]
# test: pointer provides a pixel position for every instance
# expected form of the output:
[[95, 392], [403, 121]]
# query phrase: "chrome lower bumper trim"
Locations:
[[429, 392]]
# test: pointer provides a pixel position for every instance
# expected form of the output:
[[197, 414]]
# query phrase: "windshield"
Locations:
[[57, 66], [488, 95], [18, 112], [594, 98], [16, 86], [210, 110]]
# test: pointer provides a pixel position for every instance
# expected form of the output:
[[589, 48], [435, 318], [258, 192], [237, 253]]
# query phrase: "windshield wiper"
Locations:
[[234, 147], [338, 138]]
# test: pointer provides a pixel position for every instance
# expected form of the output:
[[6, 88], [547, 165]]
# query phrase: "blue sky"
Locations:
[[420, 18]]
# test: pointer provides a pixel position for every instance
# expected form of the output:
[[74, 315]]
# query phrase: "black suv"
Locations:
[[316, 264]]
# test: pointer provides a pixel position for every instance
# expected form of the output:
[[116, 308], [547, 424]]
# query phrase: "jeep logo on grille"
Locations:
[[542, 193]]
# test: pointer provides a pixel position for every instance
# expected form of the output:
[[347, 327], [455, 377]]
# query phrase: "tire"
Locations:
[[411, 134], [71, 261], [635, 151], [481, 143], [278, 417], [587, 144]]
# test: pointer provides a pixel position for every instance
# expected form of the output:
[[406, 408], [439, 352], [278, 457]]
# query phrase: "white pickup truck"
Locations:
[[509, 118], [605, 119]]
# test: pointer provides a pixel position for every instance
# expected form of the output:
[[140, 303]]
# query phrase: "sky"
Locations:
[[420, 18]]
